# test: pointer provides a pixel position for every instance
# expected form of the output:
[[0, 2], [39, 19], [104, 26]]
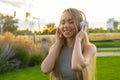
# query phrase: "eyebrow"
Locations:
[[67, 19]]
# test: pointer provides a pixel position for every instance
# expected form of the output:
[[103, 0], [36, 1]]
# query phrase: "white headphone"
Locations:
[[84, 22]]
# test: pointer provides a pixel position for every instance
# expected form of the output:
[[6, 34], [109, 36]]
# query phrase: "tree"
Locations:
[[9, 24], [51, 28]]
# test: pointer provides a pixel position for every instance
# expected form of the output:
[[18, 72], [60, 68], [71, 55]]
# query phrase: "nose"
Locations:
[[66, 24]]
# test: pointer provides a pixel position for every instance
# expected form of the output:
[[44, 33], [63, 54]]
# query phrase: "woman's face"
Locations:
[[67, 26]]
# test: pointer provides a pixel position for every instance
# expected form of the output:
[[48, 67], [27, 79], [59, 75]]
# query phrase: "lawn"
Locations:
[[107, 43], [109, 50], [107, 69], [32, 73]]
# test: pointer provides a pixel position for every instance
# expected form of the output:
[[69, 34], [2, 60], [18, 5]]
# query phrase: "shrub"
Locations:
[[36, 58], [45, 44], [15, 53], [22, 56], [12, 58], [7, 63]]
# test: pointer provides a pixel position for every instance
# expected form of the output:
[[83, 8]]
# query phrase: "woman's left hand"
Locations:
[[83, 33]]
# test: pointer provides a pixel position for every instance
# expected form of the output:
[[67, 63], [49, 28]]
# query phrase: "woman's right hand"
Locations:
[[59, 37]]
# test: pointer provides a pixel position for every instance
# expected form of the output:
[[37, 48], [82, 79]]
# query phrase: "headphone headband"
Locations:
[[83, 15]]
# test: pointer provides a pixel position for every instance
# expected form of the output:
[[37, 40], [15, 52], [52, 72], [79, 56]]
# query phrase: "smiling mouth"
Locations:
[[67, 31]]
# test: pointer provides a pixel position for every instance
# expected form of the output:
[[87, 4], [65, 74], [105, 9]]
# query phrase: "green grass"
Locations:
[[32, 73], [107, 69], [110, 50], [107, 43]]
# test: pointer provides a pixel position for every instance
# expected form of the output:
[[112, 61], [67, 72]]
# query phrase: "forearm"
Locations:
[[49, 62], [78, 60]]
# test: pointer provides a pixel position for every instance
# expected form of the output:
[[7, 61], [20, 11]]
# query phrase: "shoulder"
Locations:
[[91, 48]]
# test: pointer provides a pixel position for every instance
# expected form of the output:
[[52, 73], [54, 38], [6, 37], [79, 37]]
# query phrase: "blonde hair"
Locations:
[[89, 73], [77, 18]]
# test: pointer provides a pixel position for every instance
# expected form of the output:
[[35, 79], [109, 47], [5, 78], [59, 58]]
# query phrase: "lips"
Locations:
[[67, 32]]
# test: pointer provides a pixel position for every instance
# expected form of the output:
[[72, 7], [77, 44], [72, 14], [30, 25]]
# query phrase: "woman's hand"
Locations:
[[83, 33], [59, 37]]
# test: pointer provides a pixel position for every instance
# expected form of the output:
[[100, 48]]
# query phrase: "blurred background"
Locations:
[[27, 30]]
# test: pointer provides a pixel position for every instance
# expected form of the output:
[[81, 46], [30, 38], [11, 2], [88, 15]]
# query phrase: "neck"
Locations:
[[70, 42]]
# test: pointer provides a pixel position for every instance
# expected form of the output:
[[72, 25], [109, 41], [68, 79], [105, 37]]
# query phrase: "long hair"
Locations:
[[91, 69], [77, 18]]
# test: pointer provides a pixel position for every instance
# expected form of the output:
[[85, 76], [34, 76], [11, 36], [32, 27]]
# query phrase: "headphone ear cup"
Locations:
[[82, 23]]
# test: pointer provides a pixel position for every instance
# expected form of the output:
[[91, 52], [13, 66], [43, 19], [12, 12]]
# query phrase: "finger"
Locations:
[[85, 28], [82, 29], [57, 32], [60, 33]]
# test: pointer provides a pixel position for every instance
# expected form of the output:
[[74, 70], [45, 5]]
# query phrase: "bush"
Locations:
[[17, 52], [22, 56], [7, 63], [45, 45], [36, 58]]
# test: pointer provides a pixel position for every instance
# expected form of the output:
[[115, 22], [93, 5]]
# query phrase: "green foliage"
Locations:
[[101, 30], [96, 30], [45, 44], [50, 24], [22, 55], [116, 23], [45, 32], [22, 32], [12, 58], [36, 58], [7, 63], [49, 29], [15, 53], [106, 66], [8, 48], [9, 24]]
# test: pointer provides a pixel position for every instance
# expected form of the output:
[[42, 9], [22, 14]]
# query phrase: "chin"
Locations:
[[68, 36]]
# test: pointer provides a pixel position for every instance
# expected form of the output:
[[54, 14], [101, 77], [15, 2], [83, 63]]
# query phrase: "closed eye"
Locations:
[[62, 22], [71, 21]]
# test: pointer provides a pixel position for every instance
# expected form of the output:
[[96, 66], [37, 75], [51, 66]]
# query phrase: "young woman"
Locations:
[[72, 56]]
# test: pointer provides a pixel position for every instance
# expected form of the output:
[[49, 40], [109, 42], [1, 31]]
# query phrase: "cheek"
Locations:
[[74, 32], [71, 27], [60, 27]]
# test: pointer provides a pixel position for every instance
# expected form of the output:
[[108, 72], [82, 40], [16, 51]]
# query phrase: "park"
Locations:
[[29, 69], [23, 50]]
